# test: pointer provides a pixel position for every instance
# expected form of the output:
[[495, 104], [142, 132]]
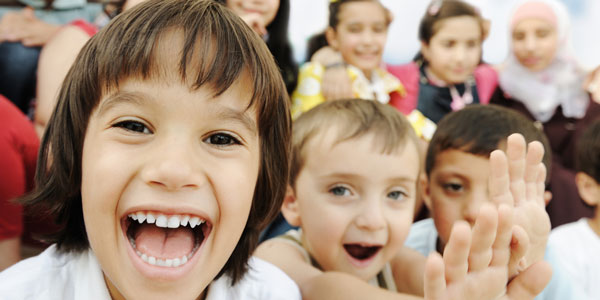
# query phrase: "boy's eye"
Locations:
[[340, 191], [222, 139], [134, 126], [453, 187], [397, 195]]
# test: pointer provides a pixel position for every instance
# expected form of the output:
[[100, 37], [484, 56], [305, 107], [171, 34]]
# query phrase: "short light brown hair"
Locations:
[[353, 119], [218, 48]]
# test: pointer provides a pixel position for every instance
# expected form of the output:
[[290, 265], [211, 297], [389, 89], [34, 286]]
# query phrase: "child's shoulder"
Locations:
[[422, 237], [571, 234], [54, 275], [263, 281]]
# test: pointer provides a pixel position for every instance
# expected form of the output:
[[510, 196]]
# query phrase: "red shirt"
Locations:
[[18, 156]]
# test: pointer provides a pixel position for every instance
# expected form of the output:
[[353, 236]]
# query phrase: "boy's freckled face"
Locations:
[[159, 148], [457, 186], [355, 203]]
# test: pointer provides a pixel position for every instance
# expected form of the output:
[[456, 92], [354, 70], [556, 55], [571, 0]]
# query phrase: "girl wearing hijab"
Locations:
[[542, 79]]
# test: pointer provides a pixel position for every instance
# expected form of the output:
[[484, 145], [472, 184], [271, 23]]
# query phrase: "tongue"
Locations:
[[164, 242]]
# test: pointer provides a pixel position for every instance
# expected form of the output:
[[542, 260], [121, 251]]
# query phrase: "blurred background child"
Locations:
[[270, 19], [358, 31], [578, 244], [541, 79]]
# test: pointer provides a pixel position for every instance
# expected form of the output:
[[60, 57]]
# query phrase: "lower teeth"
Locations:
[[168, 262]]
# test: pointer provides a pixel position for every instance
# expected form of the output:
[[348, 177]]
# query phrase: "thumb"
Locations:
[[530, 282]]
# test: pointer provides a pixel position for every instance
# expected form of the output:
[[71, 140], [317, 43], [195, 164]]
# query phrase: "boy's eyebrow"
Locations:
[[135, 98], [240, 116], [117, 98], [358, 176]]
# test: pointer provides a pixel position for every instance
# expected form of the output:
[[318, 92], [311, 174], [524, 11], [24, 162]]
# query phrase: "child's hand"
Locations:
[[255, 21], [517, 179], [335, 84], [26, 28], [472, 266], [475, 263]]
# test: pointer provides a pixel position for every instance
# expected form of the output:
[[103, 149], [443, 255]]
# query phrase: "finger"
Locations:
[[519, 245], [456, 253], [541, 185], [499, 181], [535, 153], [530, 282], [434, 284], [516, 152], [484, 234], [501, 247]]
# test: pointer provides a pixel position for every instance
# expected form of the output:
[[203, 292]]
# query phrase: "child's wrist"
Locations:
[[334, 65]]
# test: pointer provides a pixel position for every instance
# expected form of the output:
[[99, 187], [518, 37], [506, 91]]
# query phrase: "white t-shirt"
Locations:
[[578, 247], [423, 238], [63, 276]]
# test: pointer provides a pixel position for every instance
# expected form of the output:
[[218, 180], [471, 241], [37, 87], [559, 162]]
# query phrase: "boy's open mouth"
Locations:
[[165, 240], [361, 252]]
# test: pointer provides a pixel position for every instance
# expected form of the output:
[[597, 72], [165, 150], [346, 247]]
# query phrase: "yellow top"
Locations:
[[308, 92]]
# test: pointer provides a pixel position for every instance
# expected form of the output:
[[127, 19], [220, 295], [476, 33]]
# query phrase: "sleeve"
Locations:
[[308, 92], [424, 128]]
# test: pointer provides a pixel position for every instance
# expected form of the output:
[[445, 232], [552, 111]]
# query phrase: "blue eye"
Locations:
[[397, 195], [222, 139], [134, 126], [340, 191]]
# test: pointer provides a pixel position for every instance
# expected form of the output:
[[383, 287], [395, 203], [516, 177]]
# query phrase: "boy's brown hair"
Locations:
[[351, 119], [218, 48], [588, 151], [481, 129]]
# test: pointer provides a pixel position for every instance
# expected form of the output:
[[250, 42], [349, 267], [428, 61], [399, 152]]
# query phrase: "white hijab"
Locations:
[[559, 84]]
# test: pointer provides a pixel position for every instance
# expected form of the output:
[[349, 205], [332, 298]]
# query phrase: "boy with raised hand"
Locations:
[[464, 170]]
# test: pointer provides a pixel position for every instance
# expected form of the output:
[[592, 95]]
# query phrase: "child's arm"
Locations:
[[315, 284], [521, 172], [336, 83]]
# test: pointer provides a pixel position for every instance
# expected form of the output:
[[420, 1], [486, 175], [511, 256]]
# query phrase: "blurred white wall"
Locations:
[[310, 16]]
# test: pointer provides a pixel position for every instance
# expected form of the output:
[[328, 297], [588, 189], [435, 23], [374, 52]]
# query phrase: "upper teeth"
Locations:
[[163, 221]]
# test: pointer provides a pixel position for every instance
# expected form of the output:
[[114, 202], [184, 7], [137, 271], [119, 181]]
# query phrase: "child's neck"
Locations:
[[433, 78]]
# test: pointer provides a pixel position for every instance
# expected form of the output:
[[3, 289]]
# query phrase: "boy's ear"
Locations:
[[425, 191], [330, 35], [290, 209], [589, 189]]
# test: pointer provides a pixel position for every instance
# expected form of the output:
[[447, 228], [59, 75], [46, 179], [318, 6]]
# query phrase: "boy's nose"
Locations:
[[371, 217], [471, 208], [171, 167]]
